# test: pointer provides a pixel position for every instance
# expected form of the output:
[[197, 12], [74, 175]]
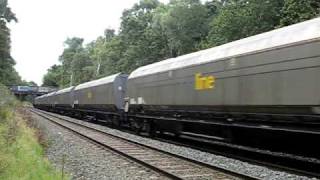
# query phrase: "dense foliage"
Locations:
[[8, 74], [152, 31]]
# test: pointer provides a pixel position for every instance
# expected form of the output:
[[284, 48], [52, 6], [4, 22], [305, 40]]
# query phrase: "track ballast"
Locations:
[[170, 165]]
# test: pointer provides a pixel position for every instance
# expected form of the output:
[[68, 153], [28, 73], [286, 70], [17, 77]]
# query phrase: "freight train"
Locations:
[[256, 90]]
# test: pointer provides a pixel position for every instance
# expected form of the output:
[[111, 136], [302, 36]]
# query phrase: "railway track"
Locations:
[[279, 161], [170, 165]]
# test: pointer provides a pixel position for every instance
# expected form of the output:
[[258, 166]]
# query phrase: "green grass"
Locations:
[[21, 155]]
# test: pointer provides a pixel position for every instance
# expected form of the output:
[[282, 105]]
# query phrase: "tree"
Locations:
[[109, 34], [133, 34], [185, 24], [28, 83], [53, 77], [106, 54], [74, 59], [81, 67], [297, 11], [5, 12], [8, 75], [151, 31], [240, 19]]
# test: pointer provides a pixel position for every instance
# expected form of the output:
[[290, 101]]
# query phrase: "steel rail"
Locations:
[[157, 169]]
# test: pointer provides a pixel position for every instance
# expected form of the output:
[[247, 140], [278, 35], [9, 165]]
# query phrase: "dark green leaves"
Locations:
[[241, 19], [295, 11], [151, 31], [8, 75]]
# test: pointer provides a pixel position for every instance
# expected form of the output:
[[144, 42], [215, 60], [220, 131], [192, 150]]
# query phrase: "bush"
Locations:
[[21, 155]]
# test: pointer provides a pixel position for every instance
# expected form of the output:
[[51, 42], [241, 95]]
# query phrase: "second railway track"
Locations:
[[170, 165]]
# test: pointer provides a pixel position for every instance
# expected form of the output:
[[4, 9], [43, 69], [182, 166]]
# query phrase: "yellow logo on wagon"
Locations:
[[204, 82]]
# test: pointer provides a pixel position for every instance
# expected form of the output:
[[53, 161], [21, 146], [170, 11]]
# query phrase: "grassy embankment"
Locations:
[[21, 155]]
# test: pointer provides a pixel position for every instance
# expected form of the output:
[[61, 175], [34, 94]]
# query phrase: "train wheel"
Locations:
[[136, 126]]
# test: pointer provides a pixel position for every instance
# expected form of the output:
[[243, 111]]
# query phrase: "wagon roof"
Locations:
[[47, 95], [65, 90], [105, 80], [305, 31]]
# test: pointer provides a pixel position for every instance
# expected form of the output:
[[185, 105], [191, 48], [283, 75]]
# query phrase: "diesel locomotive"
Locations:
[[256, 90]]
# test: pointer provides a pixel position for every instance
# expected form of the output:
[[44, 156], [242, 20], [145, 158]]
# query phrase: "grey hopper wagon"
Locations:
[[63, 98], [105, 94], [102, 96], [45, 101], [265, 84], [49, 99], [274, 72], [262, 90]]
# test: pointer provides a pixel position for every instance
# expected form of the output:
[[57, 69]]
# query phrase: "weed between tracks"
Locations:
[[21, 155]]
